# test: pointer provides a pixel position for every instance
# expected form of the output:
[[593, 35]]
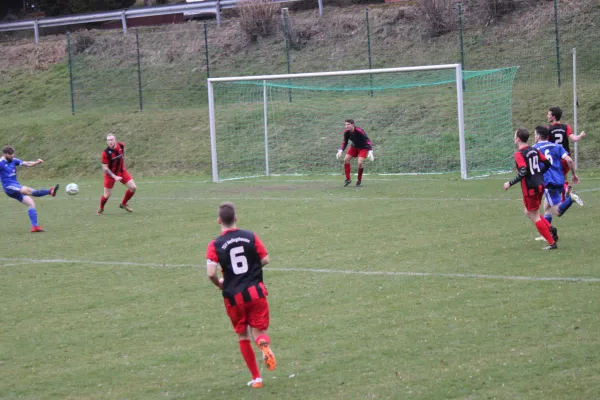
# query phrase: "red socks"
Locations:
[[543, 227], [250, 358], [347, 170], [360, 172], [264, 337], [128, 195]]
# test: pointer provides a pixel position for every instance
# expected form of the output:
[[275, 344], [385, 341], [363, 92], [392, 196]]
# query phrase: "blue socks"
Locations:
[[40, 192], [32, 216], [548, 217], [564, 206]]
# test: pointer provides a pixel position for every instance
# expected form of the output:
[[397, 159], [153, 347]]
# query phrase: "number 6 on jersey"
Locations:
[[239, 262]]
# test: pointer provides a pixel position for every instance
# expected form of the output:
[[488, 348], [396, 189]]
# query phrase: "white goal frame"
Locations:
[[264, 78]]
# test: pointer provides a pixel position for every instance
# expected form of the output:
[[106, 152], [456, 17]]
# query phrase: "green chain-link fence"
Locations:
[[166, 67]]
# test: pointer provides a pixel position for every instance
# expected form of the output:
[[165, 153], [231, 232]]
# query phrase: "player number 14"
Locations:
[[534, 165], [239, 262]]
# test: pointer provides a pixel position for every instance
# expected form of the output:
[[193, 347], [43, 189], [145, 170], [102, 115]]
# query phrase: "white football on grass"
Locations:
[[72, 188]]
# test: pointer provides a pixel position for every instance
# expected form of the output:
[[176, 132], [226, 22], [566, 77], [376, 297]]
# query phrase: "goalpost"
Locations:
[[424, 119]]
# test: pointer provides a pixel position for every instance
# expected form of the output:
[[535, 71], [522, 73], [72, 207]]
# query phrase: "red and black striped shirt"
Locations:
[[115, 158], [531, 164], [239, 252]]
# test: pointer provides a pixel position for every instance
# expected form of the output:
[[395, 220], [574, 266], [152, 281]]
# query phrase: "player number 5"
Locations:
[[239, 262]]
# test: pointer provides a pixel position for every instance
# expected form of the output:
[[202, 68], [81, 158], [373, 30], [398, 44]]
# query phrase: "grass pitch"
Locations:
[[410, 287]]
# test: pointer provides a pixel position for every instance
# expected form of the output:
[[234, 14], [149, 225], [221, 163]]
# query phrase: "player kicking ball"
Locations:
[[361, 147], [13, 189]]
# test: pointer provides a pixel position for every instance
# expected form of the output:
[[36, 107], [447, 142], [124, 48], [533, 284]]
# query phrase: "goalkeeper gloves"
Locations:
[[339, 154], [371, 156]]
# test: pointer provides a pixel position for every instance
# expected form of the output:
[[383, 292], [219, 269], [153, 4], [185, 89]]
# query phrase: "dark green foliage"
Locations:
[[64, 7]]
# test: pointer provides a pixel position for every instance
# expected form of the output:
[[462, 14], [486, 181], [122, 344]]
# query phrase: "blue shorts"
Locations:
[[14, 191], [553, 195]]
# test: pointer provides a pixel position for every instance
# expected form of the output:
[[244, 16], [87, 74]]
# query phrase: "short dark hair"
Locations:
[[8, 150], [523, 135], [227, 213], [542, 132], [556, 112], [350, 121]]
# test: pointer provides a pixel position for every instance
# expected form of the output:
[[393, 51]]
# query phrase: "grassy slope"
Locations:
[[36, 107]]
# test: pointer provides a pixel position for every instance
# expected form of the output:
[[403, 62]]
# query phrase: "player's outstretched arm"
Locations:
[[577, 138], [32, 163]]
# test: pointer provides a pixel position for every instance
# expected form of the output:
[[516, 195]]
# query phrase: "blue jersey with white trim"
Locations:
[[8, 172], [553, 152]]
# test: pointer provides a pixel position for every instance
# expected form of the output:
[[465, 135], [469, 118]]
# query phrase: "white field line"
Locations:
[[316, 270], [296, 198], [246, 198], [18, 263], [371, 178]]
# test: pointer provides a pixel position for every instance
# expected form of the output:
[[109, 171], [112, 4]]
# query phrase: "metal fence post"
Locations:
[[36, 31], [71, 73], [460, 35], [556, 40], [218, 12], [124, 21], [206, 51], [575, 107], [286, 33], [369, 48], [139, 69]]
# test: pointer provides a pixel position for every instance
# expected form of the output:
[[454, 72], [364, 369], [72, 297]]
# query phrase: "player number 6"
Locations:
[[239, 262]]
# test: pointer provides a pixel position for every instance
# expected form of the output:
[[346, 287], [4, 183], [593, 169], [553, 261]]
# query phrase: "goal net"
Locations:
[[430, 119]]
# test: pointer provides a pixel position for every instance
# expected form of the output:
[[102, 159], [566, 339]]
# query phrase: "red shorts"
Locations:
[[354, 152], [533, 202], [565, 166], [254, 313], [109, 182]]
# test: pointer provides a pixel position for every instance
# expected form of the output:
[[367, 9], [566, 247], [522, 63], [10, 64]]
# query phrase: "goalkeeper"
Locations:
[[361, 147]]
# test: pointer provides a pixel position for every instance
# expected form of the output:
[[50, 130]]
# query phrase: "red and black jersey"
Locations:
[[239, 253], [531, 164], [115, 158], [359, 139], [559, 134]]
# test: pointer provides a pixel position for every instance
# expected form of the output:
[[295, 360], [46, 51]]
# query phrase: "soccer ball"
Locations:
[[72, 188]]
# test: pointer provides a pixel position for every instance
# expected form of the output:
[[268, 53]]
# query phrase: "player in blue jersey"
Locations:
[[13, 189], [554, 178]]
